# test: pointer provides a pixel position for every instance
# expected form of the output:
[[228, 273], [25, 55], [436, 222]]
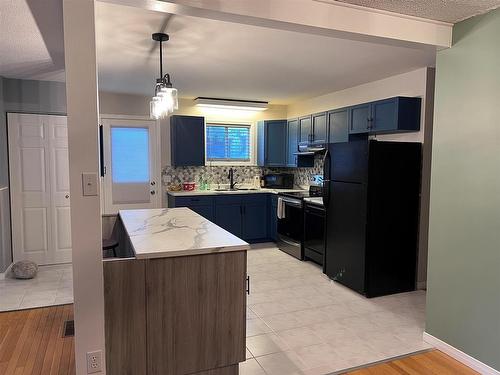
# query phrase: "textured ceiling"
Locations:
[[31, 47], [219, 59], [440, 10]]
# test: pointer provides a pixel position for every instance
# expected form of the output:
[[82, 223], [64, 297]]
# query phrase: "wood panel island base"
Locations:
[[178, 306]]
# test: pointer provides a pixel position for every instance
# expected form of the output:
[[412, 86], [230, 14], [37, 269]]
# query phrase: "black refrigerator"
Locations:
[[372, 197]]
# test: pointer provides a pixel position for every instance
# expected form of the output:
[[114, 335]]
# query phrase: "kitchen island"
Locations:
[[178, 305]]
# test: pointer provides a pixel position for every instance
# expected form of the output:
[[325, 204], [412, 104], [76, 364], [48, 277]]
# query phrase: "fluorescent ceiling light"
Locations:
[[244, 105]]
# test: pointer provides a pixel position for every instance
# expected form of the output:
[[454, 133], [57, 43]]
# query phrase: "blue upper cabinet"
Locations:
[[305, 129], [187, 140], [272, 143], [338, 123], [293, 142], [319, 131], [313, 129], [359, 118], [398, 114], [393, 115]]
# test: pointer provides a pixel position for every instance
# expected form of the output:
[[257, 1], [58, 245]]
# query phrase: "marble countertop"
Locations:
[[172, 232], [224, 192]]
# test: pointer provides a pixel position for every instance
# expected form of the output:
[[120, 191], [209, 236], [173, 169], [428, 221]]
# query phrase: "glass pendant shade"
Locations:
[[164, 103]]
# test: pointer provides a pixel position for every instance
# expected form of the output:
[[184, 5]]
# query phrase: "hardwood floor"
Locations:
[[429, 363], [31, 342]]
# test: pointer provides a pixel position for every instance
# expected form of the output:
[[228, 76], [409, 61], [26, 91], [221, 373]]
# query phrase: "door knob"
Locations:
[[153, 192], [66, 196]]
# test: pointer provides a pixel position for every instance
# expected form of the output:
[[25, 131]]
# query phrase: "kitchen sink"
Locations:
[[236, 189]]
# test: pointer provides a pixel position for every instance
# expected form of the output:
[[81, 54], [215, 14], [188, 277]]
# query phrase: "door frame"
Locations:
[[106, 193]]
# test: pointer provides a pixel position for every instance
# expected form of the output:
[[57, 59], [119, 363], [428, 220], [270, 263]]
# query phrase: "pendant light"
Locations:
[[165, 99]]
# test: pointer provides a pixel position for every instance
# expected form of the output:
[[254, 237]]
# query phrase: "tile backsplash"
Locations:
[[242, 174], [213, 174], [302, 175]]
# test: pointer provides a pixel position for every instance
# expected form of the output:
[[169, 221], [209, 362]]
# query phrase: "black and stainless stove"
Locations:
[[314, 191], [291, 219]]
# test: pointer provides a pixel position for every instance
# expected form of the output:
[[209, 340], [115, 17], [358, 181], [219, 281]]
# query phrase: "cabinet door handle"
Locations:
[[248, 284], [368, 123]]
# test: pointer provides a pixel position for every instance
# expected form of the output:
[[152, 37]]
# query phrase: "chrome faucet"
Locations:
[[232, 184]]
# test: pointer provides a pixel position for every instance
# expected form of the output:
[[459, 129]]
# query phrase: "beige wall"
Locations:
[[418, 83], [123, 104], [407, 84], [138, 105]]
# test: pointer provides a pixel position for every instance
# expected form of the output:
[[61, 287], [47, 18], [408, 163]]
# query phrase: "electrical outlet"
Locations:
[[94, 362]]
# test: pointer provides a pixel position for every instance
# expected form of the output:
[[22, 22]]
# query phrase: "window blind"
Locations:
[[228, 142]]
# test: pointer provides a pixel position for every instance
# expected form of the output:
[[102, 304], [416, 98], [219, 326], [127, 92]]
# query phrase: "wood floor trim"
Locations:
[[459, 355], [430, 362]]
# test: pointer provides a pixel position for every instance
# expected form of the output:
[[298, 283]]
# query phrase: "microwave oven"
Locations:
[[278, 181]]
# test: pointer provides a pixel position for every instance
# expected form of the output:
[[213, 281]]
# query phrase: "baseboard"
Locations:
[[421, 285], [460, 356]]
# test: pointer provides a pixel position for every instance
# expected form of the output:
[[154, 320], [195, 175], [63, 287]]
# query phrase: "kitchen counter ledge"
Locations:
[[231, 192], [173, 232]]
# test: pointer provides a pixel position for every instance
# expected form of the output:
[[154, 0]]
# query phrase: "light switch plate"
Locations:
[[89, 182]]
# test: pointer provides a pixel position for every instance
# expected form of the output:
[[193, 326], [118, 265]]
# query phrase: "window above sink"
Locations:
[[229, 143]]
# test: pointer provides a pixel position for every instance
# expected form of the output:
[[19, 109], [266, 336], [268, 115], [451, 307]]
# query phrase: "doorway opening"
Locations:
[[41, 272]]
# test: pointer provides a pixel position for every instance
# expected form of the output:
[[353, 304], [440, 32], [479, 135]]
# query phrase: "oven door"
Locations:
[[291, 228], [314, 233]]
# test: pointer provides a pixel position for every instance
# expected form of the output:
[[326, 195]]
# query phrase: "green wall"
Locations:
[[463, 299]]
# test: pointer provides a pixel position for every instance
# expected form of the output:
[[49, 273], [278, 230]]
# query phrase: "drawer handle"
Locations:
[[248, 284]]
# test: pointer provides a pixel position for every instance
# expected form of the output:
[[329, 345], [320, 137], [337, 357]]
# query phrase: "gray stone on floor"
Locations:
[[24, 269]]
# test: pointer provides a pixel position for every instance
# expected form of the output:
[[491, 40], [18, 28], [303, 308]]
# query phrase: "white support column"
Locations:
[[82, 108]]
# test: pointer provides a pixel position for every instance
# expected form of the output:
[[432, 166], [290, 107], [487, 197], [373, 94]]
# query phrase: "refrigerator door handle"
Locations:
[[326, 178]]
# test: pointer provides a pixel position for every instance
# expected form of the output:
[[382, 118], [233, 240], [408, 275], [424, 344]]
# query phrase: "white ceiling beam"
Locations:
[[324, 17]]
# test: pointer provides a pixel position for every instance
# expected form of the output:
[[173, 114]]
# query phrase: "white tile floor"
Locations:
[[299, 322], [52, 286]]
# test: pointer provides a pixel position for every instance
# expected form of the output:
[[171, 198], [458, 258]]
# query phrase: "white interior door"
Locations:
[[131, 178], [39, 179]]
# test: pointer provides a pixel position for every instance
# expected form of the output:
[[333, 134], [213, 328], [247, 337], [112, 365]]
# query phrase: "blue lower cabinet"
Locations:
[[228, 216], [255, 217], [202, 205], [245, 215], [206, 211]]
